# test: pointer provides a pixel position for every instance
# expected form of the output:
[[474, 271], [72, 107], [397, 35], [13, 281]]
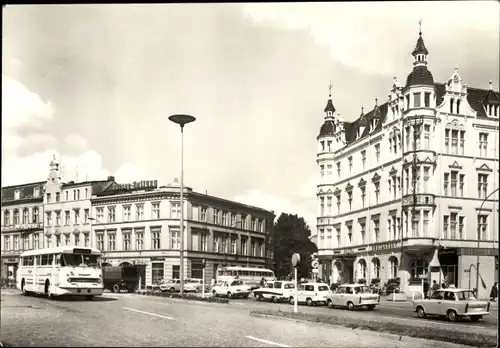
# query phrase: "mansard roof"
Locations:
[[475, 97], [26, 191]]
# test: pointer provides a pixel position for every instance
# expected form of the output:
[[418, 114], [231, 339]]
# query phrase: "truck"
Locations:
[[120, 278]]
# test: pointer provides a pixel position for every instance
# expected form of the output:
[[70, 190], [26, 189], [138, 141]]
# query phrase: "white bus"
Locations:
[[61, 271], [250, 276]]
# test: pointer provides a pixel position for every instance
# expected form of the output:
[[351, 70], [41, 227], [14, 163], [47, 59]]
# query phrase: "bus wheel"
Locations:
[[89, 297], [116, 288]]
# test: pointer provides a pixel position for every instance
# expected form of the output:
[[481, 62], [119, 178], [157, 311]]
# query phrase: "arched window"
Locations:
[[362, 269], [418, 269], [25, 215], [6, 218], [451, 105], [16, 217], [393, 267], [458, 106], [375, 268], [35, 215]]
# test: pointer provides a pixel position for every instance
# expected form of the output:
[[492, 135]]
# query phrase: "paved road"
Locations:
[[386, 311], [131, 320]]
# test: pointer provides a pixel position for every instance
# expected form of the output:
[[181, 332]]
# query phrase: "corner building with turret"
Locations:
[[409, 189]]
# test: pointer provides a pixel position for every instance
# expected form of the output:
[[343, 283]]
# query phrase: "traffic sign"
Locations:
[[315, 270], [315, 263], [295, 259]]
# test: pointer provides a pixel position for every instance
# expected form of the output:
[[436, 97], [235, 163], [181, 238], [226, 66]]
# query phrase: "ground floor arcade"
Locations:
[[445, 265]]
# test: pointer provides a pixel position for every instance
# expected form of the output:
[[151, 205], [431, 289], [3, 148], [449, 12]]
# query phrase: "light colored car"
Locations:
[[173, 285], [453, 304], [195, 285], [353, 296], [276, 291], [311, 293], [231, 288]]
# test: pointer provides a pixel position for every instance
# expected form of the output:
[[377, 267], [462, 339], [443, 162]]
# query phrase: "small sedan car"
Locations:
[[195, 285], [353, 296], [275, 291], [311, 293], [231, 289], [453, 304], [173, 285]]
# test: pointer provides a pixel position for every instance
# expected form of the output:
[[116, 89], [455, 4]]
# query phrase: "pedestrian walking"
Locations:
[[212, 283], [426, 289], [435, 285], [494, 292], [262, 282]]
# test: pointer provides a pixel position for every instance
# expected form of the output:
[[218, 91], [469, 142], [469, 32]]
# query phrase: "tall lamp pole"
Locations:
[[181, 120], [478, 236]]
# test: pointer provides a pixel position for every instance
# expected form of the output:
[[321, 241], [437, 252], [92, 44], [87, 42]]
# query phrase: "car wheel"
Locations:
[[370, 307], [452, 315], [116, 288], [309, 302], [275, 299], [329, 303], [214, 293], [475, 317], [350, 305], [172, 290], [291, 300], [421, 312], [229, 295]]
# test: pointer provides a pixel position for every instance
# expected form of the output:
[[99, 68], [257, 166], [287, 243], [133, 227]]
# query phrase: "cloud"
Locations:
[[75, 143], [21, 107], [278, 205], [27, 157], [130, 172], [345, 27]]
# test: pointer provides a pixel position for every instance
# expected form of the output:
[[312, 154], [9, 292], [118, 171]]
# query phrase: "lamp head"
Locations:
[[181, 119]]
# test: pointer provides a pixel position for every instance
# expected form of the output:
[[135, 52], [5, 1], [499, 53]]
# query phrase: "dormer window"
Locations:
[[36, 192], [17, 194], [492, 110], [373, 124]]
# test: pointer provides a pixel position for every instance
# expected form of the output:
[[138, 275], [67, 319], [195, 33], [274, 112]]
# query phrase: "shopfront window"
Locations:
[[418, 269], [157, 272]]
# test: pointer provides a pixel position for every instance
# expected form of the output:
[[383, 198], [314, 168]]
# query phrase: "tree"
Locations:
[[291, 235]]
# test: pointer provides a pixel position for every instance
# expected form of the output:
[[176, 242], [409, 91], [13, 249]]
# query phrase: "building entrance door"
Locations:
[[450, 274]]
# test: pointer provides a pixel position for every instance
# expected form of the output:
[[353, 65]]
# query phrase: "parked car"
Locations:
[[275, 291], [173, 285], [231, 288], [453, 304], [195, 285], [353, 296], [311, 293]]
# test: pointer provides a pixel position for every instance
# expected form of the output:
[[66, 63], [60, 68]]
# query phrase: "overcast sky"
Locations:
[[94, 84]]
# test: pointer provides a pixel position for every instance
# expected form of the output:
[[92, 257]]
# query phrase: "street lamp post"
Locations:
[[181, 120], [478, 235]]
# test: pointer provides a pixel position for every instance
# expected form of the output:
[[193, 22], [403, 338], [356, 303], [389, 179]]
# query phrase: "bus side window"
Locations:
[[50, 259], [258, 274], [37, 260], [58, 259], [22, 261], [44, 260]]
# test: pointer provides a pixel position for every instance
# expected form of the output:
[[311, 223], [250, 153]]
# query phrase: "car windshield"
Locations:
[[361, 290], [237, 282], [289, 286], [80, 260], [465, 295], [323, 288]]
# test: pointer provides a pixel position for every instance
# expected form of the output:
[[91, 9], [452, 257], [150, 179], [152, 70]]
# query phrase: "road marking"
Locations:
[[434, 323], [266, 341], [152, 314]]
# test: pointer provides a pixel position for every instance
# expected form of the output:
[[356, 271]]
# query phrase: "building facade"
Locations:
[[409, 190], [67, 208], [22, 223], [141, 226]]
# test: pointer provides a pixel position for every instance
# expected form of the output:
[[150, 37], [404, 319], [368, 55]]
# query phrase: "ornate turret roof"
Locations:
[[329, 106], [420, 75], [328, 128], [420, 47], [491, 97]]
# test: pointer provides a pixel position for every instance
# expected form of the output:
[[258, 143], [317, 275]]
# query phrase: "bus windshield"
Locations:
[[80, 260]]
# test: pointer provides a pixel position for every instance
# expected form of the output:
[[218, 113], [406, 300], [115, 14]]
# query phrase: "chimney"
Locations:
[[111, 178]]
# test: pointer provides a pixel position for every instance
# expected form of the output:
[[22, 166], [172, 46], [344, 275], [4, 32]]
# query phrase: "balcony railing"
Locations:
[[419, 199]]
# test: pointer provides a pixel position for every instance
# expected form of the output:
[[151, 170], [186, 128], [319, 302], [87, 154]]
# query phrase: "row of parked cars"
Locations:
[[454, 304]]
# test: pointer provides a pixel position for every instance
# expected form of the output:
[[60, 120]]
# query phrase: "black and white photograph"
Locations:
[[262, 174]]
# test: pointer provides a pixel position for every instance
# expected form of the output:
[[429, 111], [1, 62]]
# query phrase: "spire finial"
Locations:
[[362, 109], [420, 27], [54, 157], [330, 89], [376, 101], [491, 85]]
